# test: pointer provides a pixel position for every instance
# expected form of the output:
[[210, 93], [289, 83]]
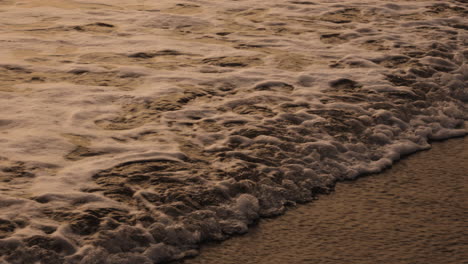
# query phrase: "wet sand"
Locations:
[[415, 212], [135, 131]]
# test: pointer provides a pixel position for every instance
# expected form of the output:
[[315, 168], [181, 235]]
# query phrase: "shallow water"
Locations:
[[416, 212], [132, 131]]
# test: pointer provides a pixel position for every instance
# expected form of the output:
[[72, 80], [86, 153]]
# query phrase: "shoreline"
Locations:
[[131, 133], [284, 231]]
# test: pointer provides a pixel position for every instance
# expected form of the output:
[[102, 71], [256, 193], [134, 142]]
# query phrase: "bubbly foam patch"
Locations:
[[133, 132]]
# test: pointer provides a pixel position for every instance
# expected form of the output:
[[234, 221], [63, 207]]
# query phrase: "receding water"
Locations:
[[415, 212]]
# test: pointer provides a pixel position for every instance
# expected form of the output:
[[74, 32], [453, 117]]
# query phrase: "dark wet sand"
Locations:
[[416, 212]]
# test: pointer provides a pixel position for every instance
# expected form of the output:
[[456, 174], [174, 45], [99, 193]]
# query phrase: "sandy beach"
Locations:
[[134, 131], [414, 212]]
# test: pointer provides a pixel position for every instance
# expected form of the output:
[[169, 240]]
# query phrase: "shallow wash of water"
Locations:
[[415, 212]]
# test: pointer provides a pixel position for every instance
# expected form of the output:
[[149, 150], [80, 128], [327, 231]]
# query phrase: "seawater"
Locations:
[[415, 212]]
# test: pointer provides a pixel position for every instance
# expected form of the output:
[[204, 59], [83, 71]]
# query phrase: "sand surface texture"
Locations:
[[132, 131]]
